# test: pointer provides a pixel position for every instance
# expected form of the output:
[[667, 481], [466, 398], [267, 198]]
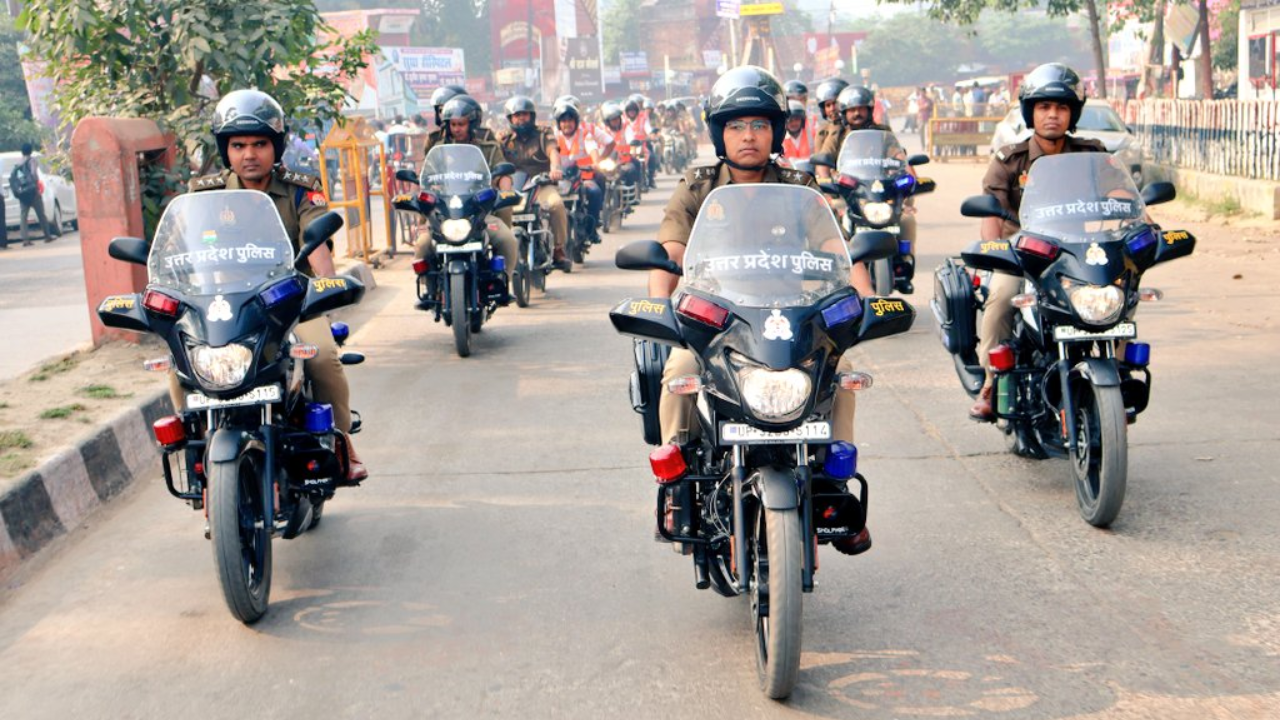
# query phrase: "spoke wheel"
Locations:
[[241, 536], [458, 311], [1100, 456], [776, 599]]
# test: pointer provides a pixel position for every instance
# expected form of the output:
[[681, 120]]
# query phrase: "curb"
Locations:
[[57, 496]]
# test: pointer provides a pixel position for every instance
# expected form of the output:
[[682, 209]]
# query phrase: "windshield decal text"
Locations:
[[1110, 207], [213, 256], [766, 261]]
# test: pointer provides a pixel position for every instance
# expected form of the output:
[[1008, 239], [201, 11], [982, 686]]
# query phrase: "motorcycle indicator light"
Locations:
[[848, 181], [842, 460], [1001, 358], [855, 381], [668, 464], [1150, 295], [1023, 300], [704, 311], [163, 364], [485, 195], [281, 291], [169, 431], [687, 385], [160, 303], [303, 351], [1141, 241], [1038, 246], [420, 267], [1137, 354], [847, 309]]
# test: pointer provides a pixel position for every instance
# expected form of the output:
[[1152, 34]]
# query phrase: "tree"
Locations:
[[620, 23], [16, 125]]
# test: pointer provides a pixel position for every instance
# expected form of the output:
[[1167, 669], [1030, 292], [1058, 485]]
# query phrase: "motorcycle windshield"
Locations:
[[1079, 197], [766, 246], [872, 155], [219, 243], [455, 170]]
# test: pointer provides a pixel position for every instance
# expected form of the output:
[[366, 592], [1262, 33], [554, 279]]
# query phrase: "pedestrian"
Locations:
[[26, 186], [913, 111], [925, 114]]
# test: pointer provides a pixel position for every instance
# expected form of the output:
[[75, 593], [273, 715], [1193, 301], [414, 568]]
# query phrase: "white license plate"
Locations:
[[743, 434], [264, 394], [1123, 330], [467, 248], [889, 229], [524, 218]]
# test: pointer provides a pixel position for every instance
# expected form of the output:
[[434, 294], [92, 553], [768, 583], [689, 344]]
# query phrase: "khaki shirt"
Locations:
[[825, 131], [492, 153], [529, 156], [298, 197], [1007, 173], [440, 135], [697, 184], [835, 140]]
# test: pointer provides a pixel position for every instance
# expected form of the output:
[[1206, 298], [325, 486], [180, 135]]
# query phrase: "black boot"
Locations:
[[904, 273]]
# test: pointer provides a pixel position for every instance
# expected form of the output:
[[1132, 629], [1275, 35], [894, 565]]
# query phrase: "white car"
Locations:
[[59, 196], [1099, 121]]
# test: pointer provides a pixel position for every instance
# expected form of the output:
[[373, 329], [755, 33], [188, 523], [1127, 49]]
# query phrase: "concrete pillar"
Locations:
[[105, 153]]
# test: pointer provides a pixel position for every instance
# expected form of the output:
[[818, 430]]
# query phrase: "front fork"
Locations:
[[805, 507]]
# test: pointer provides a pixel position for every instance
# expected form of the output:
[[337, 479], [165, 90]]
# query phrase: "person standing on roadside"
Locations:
[[26, 186]]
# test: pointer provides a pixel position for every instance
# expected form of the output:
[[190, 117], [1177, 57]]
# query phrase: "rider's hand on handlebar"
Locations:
[[556, 174]]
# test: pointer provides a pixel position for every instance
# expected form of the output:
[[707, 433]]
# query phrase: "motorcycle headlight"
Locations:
[[607, 165], [876, 213], [773, 394], [456, 230], [1095, 304], [221, 367]]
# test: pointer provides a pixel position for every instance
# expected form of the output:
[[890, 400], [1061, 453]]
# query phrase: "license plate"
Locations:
[[743, 434], [888, 228], [1123, 330], [467, 248], [264, 394], [524, 218]]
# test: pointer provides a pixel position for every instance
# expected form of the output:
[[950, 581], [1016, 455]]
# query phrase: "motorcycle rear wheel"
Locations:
[[458, 310], [776, 599], [1100, 457], [240, 534]]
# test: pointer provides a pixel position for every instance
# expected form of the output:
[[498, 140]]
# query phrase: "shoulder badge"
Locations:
[[207, 182], [705, 173], [792, 176], [310, 182]]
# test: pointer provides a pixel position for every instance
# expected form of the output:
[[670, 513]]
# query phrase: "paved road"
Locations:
[[500, 562], [42, 301]]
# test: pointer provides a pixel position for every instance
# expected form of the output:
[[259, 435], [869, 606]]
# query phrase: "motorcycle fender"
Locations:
[[458, 267], [225, 445], [647, 319], [777, 488], [1101, 372]]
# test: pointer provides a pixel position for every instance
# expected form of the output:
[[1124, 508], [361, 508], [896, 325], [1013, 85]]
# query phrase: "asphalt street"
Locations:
[[500, 561], [42, 300]]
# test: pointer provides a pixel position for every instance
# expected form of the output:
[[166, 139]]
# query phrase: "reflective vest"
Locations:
[[797, 147]]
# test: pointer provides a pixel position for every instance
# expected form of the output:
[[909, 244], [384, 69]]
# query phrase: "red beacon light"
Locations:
[[169, 431], [668, 464], [848, 181], [1002, 359], [427, 199]]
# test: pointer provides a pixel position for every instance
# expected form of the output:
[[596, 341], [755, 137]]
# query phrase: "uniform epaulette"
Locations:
[[1009, 151], [1092, 142], [207, 182], [702, 173], [792, 176], [310, 182]]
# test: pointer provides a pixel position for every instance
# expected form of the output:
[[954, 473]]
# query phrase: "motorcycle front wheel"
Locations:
[[458, 310], [240, 533], [520, 281], [776, 599], [1100, 456], [882, 276]]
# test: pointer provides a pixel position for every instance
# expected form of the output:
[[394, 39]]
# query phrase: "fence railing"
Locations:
[[1225, 137]]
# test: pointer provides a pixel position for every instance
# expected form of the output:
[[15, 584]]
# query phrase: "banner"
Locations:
[[582, 56], [425, 69], [728, 8], [634, 64]]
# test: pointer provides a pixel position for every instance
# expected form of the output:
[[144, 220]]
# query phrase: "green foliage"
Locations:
[[1225, 48], [16, 125], [620, 23], [57, 367], [14, 440], [61, 412], [102, 392], [169, 60]]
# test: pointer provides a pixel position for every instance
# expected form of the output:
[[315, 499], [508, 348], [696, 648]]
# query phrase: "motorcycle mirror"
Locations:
[[408, 176], [1159, 192], [824, 160], [129, 249], [870, 245], [317, 234], [502, 168], [830, 188], [646, 255], [918, 160], [984, 206]]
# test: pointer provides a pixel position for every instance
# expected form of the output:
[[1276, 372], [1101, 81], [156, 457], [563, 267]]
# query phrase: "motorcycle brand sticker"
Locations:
[[994, 245], [209, 237], [455, 202], [219, 310], [646, 306], [323, 284], [882, 306], [1095, 255], [777, 327]]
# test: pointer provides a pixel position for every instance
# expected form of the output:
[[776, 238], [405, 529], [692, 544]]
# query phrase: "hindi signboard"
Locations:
[[582, 57]]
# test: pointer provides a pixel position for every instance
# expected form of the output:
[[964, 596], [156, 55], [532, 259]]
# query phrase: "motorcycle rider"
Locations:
[[745, 120], [826, 94], [1051, 100], [249, 128], [628, 165], [582, 147], [532, 150], [441, 133], [639, 128], [798, 142], [462, 117]]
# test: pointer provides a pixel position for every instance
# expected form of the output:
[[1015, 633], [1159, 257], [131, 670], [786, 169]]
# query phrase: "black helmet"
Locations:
[[795, 109], [742, 91], [519, 104], [795, 88], [462, 107], [610, 112], [444, 94], [1052, 81], [829, 89], [248, 112]]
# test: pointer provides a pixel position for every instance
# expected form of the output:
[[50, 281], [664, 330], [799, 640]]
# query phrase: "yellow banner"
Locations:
[[762, 9]]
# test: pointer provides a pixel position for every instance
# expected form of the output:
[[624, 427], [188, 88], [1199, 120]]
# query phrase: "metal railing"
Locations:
[[1225, 137]]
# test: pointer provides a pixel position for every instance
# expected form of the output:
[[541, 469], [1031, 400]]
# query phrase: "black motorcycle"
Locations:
[[465, 281], [251, 449], [766, 308], [874, 181], [1072, 378], [532, 225], [620, 198], [582, 225]]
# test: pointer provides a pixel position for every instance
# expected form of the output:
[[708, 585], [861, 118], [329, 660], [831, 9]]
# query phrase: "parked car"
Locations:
[[59, 195], [1099, 121]]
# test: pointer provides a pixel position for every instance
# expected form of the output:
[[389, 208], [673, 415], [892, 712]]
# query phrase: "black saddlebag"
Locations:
[[646, 386], [954, 309]]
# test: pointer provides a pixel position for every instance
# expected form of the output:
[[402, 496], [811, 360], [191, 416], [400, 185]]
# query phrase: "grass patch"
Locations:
[[13, 463], [57, 367], [102, 392], [1224, 206], [14, 439], [64, 411]]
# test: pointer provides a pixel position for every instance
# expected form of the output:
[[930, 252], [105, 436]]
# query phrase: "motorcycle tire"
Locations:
[[240, 534], [882, 276], [520, 285], [458, 310], [539, 276], [317, 510], [577, 246], [777, 551], [1100, 457]]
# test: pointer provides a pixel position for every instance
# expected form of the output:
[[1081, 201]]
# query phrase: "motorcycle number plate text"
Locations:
[[467, 248], [264, 394], [1067, 332], [741, 434], [887, 228]]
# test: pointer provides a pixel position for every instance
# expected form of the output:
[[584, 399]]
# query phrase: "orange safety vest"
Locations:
[[620, 145], [638, 125], [797, 147]]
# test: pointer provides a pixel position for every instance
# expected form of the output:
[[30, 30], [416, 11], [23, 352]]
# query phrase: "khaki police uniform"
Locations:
[[440, 135], [532, 157], [675, 412], [299, 198], [500, 233], [1005, 178]]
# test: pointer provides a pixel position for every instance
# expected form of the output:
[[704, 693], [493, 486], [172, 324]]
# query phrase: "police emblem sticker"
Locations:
[[715, 211], [219, 310], [1095, 255], [777, 327], [877, 187], [455, 202], [227, 216]]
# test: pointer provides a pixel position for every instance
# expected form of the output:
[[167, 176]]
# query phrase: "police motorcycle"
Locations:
[[1072, 378], [466, 280], [251, 450], [581, 224], [766, 306], [620, 198], [675, 151], [532, 226], [874, 181]]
